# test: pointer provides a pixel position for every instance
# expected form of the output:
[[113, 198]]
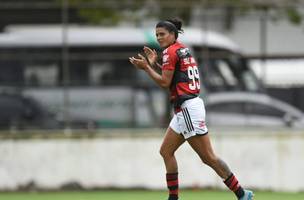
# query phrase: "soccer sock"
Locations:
[[233, 184], [172, 183]]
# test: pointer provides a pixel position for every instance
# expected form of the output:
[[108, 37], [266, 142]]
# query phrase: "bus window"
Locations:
[[41, 74], [227, 74], [99, 73], [223, 70], [111, 66]]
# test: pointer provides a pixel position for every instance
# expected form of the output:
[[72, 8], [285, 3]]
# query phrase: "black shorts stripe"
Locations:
[[191, 125], [186, 120]]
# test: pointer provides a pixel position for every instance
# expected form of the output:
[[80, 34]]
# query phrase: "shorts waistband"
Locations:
[[189, 101], [185, 103]]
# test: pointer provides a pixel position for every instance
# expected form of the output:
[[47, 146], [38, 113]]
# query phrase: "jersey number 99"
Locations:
[[193, 75]]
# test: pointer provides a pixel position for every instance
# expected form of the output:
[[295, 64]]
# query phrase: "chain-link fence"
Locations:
[[64, 64]]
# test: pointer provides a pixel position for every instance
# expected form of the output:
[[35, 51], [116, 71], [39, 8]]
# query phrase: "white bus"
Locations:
[[102, 85]]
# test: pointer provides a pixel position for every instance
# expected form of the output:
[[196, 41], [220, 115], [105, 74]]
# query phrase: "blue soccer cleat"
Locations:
[[248, 195]]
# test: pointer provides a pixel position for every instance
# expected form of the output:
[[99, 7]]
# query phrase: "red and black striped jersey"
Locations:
[[185, 83]]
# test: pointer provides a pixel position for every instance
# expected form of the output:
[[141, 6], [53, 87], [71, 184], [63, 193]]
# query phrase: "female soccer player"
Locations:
[[181, 76]]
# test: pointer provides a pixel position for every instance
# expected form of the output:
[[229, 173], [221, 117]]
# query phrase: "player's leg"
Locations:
[[194, 129], [170, 144], [202, 146]]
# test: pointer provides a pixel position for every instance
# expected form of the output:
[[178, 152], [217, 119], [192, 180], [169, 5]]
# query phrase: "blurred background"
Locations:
[[74, 113]]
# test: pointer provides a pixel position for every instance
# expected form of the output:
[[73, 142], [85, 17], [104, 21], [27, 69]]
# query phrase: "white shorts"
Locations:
[[191, 120]]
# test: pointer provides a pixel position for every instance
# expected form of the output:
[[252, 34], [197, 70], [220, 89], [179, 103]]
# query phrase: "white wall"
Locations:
[[265, 162]]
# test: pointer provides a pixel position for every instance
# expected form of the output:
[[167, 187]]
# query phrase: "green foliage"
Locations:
[[100, 16], [293, 15], [95, 12], [111, 12], [105, 12]]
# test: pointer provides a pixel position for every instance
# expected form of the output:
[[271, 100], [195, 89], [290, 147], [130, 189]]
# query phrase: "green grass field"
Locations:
[[142, 195]]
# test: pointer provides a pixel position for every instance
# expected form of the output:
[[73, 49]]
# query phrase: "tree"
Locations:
[[105, 12], [111, 12]]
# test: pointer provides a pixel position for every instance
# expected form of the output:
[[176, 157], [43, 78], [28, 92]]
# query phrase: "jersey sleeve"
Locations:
[[169, 59]]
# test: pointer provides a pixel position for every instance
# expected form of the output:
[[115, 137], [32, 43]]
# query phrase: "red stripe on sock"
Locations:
[[172, 183], [235, 187], [233, 182]]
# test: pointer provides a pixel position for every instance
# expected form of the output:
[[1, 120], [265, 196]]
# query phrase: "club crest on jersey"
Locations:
[[183, 53]]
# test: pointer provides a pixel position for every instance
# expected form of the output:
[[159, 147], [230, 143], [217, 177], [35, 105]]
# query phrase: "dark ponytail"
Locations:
[[172, 25]]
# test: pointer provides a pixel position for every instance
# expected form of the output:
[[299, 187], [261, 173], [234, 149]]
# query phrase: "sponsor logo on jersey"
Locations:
[[165, 59]]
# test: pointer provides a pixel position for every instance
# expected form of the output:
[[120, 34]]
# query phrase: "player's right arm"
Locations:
[[163, 80], [151, 56]]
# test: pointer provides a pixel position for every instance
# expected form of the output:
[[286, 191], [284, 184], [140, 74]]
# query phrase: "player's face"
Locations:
[[164, 37]]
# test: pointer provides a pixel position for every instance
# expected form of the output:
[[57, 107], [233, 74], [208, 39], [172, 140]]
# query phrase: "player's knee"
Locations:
[[210, 160], [162, 152], [165, 153]]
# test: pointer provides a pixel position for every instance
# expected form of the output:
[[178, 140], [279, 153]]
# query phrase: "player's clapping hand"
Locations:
[[140, 62], [151, 55]]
